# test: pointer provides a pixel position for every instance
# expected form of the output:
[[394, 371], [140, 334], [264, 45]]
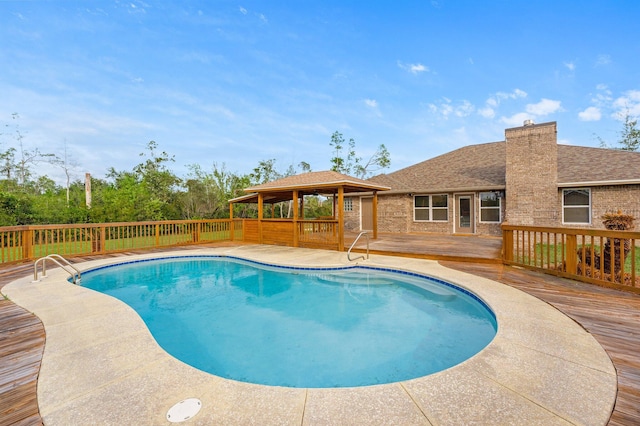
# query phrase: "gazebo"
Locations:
[[297, 231]]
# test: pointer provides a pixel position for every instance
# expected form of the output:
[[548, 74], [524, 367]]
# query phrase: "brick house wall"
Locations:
[[532, 175], [352, 217], [395, 215], [609, 199]]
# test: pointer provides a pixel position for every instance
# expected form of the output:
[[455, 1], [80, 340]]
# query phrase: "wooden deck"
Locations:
[[21, 345], [611, 316], [462, 248]]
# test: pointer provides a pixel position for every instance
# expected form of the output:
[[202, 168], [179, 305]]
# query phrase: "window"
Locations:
[[489, 207], [431, 208], [576, 206], [348, 204]]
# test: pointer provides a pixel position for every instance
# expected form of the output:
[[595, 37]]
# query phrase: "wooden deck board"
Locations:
[[21, 345], [611, 316]]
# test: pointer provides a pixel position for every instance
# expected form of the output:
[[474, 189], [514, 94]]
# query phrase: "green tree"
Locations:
[[347, 162], [25, 159], [208, 193], [629, 135], [159, 184], [265, 172]]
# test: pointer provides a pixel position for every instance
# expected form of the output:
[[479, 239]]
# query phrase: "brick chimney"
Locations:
[[532, 174]]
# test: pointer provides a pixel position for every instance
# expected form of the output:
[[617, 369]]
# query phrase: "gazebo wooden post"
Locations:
[[375, 214], [231, 226], [340, 218], [260, 213], [333, 202], [296, 211]]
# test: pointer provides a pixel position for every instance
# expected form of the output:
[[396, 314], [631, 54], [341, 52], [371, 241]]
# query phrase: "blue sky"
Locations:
[[237, 82]]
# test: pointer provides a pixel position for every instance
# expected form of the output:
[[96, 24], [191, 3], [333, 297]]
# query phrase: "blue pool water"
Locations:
[[295, 327]]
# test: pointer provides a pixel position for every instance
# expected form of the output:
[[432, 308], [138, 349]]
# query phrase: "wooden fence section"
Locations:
[[320, 234], [278, 232], [597, 256], [26, 243]]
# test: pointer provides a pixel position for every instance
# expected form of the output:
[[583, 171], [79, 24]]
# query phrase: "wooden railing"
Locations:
[[597, 256], [318, 234], [24, 243]]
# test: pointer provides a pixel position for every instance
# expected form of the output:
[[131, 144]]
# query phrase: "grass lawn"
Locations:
[[553, 254]]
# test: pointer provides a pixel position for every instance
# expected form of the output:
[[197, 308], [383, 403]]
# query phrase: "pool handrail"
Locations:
[[366, 234], [74, 273]]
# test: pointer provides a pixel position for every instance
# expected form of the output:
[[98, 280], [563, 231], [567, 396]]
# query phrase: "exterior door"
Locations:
[[366, 214], [465, 217]]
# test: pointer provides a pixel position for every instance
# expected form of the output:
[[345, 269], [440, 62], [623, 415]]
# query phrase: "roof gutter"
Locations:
[[436, 191], [599, 183]]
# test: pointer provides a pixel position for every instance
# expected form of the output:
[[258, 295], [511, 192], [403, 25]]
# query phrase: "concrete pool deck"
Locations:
[[102, 366]]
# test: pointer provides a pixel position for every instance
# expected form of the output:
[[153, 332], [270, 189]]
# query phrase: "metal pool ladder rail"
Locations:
[[73, 272], [366, 234]]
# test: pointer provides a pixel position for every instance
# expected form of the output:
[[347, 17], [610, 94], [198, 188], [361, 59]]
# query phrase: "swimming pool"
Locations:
[[298, 327]]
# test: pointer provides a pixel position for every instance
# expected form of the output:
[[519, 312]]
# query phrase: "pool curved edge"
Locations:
[[101, 364]]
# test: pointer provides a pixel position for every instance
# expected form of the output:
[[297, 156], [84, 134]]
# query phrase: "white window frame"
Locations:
[[499, 207], [430, 208], [348, 204], [576, 207]]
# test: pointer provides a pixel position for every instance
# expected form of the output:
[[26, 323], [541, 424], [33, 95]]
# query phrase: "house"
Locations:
[[527, 179]]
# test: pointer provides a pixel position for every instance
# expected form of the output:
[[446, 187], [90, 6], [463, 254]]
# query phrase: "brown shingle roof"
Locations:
[[318, 180], [483, 166], [579, 164]]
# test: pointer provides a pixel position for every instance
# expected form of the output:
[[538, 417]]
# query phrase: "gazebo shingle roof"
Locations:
[[318, 180], [324, 182]]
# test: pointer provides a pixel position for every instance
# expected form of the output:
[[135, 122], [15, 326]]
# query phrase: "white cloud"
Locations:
[[446, 108], [603, 60], [464, 109], [544, 107], [496, 99], [372, 103], [263, 18], [243, 10], [629, 104], [516, 120], [532, 111], [413, 68], [570, 65], [487, 112], [590, 114]]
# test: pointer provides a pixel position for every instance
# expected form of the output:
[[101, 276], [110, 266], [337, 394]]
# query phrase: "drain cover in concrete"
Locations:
[[184, 410]]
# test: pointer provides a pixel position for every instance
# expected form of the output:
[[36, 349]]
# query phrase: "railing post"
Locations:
[[296, 224], [231, 223], [157, 235], [571, 254], [27, 244], [195, 233], [507, 245], [103, 239]]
